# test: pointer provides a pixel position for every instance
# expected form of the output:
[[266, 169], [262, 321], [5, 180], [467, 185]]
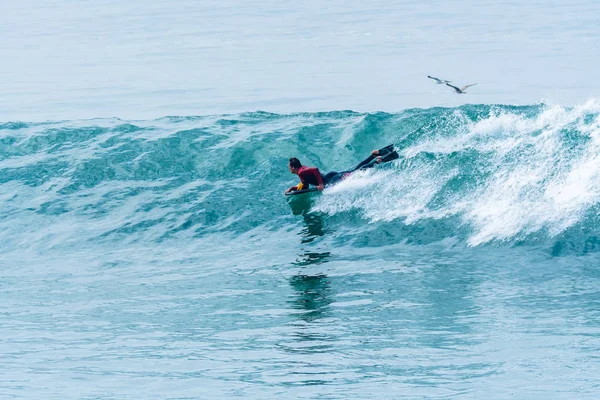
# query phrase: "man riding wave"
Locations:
[[312, 176]]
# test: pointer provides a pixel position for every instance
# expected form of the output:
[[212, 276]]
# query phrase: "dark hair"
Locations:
[[295, 163]]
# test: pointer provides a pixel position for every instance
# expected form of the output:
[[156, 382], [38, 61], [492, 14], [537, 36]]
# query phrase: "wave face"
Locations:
[[165, 251], [480, 174]]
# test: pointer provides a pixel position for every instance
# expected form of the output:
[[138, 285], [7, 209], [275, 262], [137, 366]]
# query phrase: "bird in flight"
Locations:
[[462, 89], [437, 80]]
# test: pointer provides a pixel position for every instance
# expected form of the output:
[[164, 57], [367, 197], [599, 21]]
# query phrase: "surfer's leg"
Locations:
[[375, 155], [334, 177], [366, 164], [329, 178]]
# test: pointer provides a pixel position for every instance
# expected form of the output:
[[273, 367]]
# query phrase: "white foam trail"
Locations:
[[548, 186], [385, 195], [537, 173]]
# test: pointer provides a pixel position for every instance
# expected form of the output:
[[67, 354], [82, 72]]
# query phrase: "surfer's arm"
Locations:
[[299, 186], [319, 179], [292, 189]]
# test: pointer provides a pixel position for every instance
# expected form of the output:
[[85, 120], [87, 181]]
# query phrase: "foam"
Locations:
[[535, 171]]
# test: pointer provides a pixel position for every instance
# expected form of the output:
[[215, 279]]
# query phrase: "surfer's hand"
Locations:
[[320, 187]]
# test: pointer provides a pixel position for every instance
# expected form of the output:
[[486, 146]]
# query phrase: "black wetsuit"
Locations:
[[334, 177]]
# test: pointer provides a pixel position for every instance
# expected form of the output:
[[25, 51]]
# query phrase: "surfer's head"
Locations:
[[294, 165]]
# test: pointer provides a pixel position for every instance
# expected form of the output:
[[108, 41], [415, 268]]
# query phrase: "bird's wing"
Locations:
[[434, 78], [453, 87], [466, 86]]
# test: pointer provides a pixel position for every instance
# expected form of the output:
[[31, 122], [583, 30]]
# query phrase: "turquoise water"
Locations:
[[159, 259], [148, 251]]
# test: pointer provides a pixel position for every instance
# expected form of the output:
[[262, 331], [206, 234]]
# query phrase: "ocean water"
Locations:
[[148, 251], [68, 59], [159, 259]]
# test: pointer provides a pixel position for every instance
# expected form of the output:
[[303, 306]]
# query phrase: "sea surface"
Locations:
[[148, 251]]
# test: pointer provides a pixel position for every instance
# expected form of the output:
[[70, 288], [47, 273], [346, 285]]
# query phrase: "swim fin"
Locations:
[[390, 157], [386, 150], [370, 161]]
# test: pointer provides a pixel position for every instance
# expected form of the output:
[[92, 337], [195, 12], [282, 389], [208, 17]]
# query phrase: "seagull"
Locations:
[[438, 81], [462, 89]]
